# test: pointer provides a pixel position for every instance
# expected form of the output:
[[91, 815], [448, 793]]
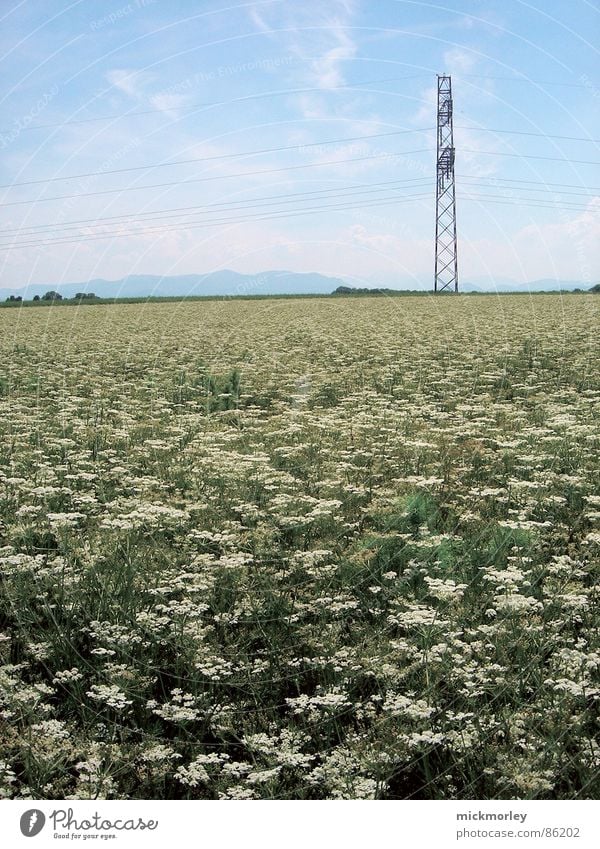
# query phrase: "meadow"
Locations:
[[339, 548]]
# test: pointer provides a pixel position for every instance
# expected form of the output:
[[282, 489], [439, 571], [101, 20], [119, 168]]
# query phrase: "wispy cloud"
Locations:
[[141, 86], [486, 20], [277, 75], [425, 114], [168, 102], [328, 69], [458, 59], [258, 20], [317, 34], [133, 83]]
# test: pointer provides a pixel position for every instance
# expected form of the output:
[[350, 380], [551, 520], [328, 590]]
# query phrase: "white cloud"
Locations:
[[425, 114], [328, 70], [168, 102], [458, 59], [316, 33], [486, 20], [568, 250], [565, 250], [259, 21], [131, 82]]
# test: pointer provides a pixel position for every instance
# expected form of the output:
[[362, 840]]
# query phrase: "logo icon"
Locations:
[[32, 822]]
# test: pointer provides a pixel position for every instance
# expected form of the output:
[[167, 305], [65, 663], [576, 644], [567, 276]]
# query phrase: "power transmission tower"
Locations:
[[446, 260]]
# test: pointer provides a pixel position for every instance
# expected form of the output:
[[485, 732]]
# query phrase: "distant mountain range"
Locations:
[[231, 283], [224, 283]]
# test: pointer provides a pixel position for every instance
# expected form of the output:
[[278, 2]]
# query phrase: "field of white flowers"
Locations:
[[303, 549]]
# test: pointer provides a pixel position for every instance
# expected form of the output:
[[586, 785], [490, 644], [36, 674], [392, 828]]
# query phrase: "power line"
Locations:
[[527, 80], [248, 208], [525, 133], [526, 189], [287, 168], [221, 222], [280, 198], [210, 105], [273, 217], [277, 214], [280, 93], [523, 202], [531, 201], [537, 182], [190, 209], [531, 156], [227, 206], [493, 180], [285, 198], [153, 165], [220, 177]]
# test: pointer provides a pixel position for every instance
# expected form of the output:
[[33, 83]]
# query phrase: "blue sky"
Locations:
[[217, 80]]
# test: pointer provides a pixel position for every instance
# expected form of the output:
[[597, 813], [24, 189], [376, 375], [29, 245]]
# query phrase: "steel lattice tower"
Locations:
[[446, 260]]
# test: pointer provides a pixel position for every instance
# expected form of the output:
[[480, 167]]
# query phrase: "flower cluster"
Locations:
[[308, 549]]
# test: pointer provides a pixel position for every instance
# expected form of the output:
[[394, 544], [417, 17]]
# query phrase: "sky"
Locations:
[[181, 137]]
